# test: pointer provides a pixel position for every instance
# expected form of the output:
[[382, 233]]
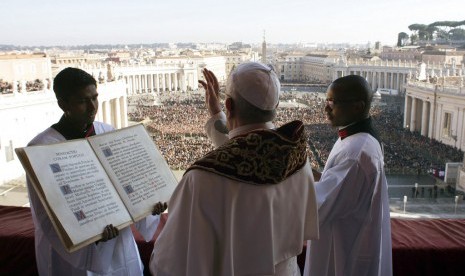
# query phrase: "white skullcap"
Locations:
[[256, 83]]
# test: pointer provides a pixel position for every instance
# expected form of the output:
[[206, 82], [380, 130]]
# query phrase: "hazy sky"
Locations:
[[78, 22]]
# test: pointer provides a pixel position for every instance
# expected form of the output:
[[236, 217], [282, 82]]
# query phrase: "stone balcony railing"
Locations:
[[438, 88]]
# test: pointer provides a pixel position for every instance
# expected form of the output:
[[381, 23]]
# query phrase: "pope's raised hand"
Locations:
[[212, 90]]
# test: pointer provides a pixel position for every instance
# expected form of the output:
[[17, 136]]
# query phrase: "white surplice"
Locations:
[[220, 226], [355, 231], [118, 256]]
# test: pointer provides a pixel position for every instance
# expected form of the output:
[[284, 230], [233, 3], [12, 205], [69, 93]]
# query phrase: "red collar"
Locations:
[[343, 133]]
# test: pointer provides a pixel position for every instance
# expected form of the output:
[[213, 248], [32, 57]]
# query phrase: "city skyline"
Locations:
[[67, 23]]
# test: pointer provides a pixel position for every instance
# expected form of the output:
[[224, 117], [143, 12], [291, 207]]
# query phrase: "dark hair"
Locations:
[[357, 87], [70, 80]]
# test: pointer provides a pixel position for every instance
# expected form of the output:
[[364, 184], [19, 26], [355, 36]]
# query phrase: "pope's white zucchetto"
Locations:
[[256, 83]]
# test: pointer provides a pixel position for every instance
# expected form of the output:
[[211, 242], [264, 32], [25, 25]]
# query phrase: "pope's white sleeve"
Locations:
[[216, 129]]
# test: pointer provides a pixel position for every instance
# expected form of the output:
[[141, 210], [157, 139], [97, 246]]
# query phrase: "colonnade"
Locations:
[[158, 79], [419, 115], [113, 111], [377, 78], [436, 112], [157, 82], [152, 78]]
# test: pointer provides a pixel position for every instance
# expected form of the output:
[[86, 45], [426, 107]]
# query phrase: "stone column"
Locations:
[[136, 84], [143, 81], [133, 84], [163, 82], [373, 81], [154, 83], [408, 103], [398, 82], [439, 115], [385, 80], [391, 86], [176, 81], [460, 125], [170, 84], [424, 118], [149, 83], [413, 112], [379, 80], [183, 80], [431, 120], [157, 82], [106, 112], [126, 80], [116, 113], [131, 80], [124, 111]]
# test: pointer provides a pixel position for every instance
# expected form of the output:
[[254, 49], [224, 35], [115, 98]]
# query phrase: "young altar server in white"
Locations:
[[116, 253], [353, 205]]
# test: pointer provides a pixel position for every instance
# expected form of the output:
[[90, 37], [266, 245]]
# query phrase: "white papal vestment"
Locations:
[[219, 225]]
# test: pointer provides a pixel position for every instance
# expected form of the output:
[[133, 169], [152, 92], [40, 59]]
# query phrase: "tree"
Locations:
[[420, 30], [457, 34], [401, 39], [430, 30], [444, 28], [413, 39]]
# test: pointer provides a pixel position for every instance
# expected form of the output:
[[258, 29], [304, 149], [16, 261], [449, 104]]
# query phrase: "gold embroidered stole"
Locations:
[[259, 157]]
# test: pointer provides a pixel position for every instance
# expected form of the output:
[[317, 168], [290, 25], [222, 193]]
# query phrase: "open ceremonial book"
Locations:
[[85, 184]]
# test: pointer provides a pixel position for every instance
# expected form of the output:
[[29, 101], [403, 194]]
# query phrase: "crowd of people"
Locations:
[[177, 129], [177, 126]]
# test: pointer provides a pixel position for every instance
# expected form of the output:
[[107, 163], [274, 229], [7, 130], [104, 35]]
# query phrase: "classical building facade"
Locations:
[[24, 114], [387, 74], [443, 57], [17, 71], [318, 68], [214, 63], [437, 110], [161, 75], [234, 59], [404, 53], [289, 67], [158, 78]]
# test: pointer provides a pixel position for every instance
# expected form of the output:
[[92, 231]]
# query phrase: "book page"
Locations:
[[136, 167], [77, 188]]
